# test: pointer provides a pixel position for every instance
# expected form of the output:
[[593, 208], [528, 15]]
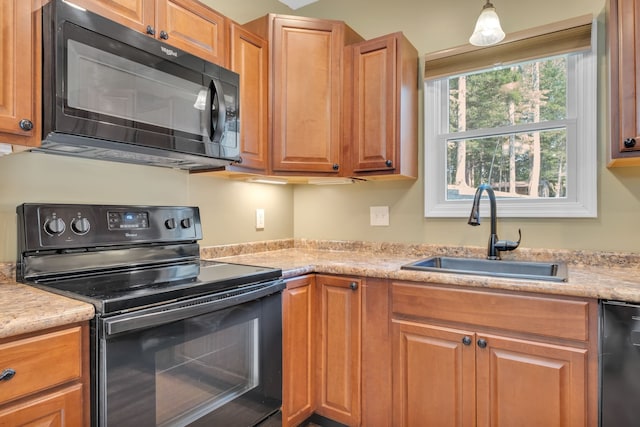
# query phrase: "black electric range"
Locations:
[[122, 258]]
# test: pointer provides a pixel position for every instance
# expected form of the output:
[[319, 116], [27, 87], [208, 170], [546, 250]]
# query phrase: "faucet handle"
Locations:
[[508, 245]]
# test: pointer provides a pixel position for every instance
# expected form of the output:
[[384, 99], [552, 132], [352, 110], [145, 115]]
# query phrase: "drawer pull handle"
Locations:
[[7, 374], [466, 340], [482, 343], [353, 286]]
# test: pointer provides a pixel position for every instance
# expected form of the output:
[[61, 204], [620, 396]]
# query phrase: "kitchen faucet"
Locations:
[[495, 245]]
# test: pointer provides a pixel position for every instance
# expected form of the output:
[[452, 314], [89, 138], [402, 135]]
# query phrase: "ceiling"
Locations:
[[296, 4]]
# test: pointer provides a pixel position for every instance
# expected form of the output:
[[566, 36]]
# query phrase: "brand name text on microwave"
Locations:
[[168, 51]]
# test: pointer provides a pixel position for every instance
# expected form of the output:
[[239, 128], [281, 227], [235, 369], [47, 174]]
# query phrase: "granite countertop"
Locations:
[[27, 309], [613, 279], [591, 274]]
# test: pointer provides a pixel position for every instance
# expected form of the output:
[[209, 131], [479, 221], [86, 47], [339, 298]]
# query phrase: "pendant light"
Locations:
[[488, 30]]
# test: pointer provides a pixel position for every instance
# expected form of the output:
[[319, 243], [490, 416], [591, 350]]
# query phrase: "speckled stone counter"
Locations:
[[27, 309], [591, 274], [600, 275]]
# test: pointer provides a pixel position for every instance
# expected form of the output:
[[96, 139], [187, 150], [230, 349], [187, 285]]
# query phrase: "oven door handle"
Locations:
[[181, 310]]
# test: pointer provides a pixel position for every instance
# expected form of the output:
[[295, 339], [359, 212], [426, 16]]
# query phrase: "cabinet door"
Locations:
[[525, 383], [191, 26], [250, 59], [383, 130], [625, 80], [298, 356], [18, 73], [307, 92], [59, 409], [136, 14], [434, 376], [374, 105], [339, 314]]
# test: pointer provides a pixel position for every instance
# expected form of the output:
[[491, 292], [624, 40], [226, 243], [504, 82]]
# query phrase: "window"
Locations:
[[527, 128]]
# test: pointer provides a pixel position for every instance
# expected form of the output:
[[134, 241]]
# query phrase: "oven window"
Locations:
[[200, 375], [202, 370]]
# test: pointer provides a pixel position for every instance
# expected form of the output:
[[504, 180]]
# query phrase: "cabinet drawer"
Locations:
[[40, 362], [551, 317]]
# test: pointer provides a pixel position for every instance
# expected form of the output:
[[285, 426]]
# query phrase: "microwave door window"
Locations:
[[113, 88]]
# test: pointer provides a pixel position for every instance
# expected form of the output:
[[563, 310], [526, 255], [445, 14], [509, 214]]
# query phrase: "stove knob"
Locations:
[[80, 225], [54, 226], [170, 223], [186, 223]]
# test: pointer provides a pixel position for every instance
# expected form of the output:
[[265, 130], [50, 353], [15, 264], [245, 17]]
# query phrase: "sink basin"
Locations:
[[550, 271]]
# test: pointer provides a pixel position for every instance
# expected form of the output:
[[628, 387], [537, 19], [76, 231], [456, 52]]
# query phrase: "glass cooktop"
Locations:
[[126, 290]]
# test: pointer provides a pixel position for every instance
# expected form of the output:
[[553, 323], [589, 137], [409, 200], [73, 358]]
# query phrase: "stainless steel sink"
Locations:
[[550, 271]]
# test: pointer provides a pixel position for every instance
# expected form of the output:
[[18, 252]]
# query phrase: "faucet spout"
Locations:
[[474, 217], [495, 245]]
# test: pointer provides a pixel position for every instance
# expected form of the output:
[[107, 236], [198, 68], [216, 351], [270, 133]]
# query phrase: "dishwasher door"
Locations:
[[620, 365]]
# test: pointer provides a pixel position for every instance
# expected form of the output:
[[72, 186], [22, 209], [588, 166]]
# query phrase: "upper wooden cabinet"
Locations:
[[624, 50], [306, 92], [249, 57], [19, 73], [382, 106], [186, 24]]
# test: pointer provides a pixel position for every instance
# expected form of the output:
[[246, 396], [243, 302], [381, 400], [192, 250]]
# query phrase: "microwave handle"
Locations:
[[218, 115]]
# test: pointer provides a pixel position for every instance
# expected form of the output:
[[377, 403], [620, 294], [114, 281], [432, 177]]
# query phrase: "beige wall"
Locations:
[[227, 208]]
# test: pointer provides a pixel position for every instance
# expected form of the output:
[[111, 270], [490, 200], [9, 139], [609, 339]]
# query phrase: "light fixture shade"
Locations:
[[488, 30]]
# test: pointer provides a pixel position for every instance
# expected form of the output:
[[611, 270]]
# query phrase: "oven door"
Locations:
[[215, 360]]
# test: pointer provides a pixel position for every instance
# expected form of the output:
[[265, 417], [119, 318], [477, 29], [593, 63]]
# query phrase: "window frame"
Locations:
[[581, 122]]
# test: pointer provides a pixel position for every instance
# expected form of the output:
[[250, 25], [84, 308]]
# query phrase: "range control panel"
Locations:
[[60, 226]]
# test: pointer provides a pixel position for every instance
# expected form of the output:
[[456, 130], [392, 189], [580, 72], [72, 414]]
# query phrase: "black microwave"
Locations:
[[112, 93]]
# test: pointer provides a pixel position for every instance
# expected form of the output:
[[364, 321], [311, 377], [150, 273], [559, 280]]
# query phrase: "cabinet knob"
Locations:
[[389, 163], [7, 374], [629, 142], [164, 35], [151, 31], [466, 340], [336, 166], [26, 124], [482, 343], [353, 286]]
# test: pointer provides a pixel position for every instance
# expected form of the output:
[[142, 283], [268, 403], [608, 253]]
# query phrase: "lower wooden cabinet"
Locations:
[[484, 359], [299, 354], [434, 376], [338, 315], [527, 383], [382, 353], [56, 409], [49, 386]]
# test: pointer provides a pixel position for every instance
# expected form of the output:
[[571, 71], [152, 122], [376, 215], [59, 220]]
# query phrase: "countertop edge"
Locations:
[[27, 309]]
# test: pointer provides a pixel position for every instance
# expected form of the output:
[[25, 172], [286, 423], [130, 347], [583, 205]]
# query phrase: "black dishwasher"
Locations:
[[620, 364]]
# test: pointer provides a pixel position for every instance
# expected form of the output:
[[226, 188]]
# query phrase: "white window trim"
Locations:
[[581, 200]]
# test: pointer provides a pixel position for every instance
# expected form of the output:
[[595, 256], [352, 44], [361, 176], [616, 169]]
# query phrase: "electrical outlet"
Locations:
[[260, 219], [379, 216]]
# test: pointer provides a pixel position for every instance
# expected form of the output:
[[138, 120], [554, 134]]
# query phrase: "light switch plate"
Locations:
[[260, 219], [379, 216]]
